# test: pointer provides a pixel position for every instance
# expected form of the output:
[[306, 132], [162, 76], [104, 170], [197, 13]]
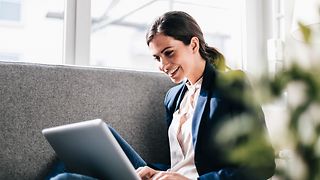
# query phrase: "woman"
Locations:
[[197, 107]]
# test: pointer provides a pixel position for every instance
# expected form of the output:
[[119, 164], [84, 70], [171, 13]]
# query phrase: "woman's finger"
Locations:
[[139, 169], [159, 175], [145, 172]]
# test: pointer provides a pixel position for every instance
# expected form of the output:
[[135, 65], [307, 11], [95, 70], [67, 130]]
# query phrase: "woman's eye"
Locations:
[[157, 58], [168, 53]]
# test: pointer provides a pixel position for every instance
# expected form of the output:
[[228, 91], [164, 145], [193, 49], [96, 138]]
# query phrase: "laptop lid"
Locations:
[[89, 148]]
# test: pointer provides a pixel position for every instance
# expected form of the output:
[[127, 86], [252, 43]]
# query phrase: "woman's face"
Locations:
[[174, 57]]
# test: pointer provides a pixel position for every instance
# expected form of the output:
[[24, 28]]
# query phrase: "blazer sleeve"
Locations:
[[238, 174], [227, 173]]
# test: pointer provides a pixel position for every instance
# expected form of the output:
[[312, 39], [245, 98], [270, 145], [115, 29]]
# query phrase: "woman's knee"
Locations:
[[69, 176]]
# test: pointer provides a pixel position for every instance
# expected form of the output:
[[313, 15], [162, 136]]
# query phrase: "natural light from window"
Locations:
[[119, 27], [32, 31]]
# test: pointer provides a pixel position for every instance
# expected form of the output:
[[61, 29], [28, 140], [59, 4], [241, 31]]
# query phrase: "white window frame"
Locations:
[[77, 32]]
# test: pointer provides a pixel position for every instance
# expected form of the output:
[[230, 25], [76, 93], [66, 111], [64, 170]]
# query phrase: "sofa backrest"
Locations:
[[36, 96]]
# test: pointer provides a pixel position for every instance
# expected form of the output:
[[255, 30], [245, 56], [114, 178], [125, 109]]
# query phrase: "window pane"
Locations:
[[119, 27], [38, 36], [10, 11]]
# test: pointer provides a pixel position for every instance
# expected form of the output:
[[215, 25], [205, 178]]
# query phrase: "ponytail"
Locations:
[[214, 57]]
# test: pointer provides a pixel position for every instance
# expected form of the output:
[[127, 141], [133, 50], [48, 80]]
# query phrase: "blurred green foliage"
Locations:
[[307, 152], [304, 118]]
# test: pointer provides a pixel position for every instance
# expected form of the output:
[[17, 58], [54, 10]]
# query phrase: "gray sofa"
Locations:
[[35, 96]]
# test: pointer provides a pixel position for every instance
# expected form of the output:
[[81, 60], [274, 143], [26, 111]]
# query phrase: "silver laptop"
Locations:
[[89, 148]]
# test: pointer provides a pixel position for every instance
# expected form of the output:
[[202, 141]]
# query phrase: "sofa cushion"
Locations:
[[35, 96]]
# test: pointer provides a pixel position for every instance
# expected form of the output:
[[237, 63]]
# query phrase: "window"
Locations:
[[10, 10], [119, 27], [39, 35], [116, 37]]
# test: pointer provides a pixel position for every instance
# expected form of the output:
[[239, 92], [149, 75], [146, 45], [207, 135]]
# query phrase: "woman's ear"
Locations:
[[194, 43]]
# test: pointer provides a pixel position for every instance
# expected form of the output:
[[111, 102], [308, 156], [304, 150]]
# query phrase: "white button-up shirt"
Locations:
[[180, 134]]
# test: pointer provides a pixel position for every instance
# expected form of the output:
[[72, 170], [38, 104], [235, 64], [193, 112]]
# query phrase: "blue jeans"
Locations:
[[59, 173]]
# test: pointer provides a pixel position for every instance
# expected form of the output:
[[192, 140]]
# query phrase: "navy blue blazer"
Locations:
[[216, 103]]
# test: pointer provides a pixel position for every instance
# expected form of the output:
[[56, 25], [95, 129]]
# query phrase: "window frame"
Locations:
[[77, 32]]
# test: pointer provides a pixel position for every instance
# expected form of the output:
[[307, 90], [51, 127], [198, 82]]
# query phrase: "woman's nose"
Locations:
[[163, 65]]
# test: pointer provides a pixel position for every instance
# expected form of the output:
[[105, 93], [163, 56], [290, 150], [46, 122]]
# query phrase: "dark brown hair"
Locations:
[[181, 26]]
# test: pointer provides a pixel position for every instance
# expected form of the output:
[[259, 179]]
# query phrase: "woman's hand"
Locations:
[[163, 175], [146, 173]]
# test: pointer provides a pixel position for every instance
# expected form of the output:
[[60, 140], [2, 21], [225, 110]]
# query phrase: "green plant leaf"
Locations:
[[306, 32]]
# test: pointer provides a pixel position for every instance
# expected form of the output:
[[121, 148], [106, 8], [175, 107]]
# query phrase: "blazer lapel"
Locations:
[[208, 79], [197, 115], [181, 95]]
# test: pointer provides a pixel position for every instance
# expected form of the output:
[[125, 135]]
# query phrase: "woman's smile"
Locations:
[[173, 71]]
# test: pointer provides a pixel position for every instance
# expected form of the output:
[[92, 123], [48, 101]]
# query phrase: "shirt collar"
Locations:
[[194, 86]]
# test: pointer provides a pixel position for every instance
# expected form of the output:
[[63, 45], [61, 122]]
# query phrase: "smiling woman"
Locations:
[[207, 96], [174, 58], [177, 42]]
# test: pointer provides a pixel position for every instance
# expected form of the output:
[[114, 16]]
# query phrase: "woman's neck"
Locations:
[[197, 72]]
